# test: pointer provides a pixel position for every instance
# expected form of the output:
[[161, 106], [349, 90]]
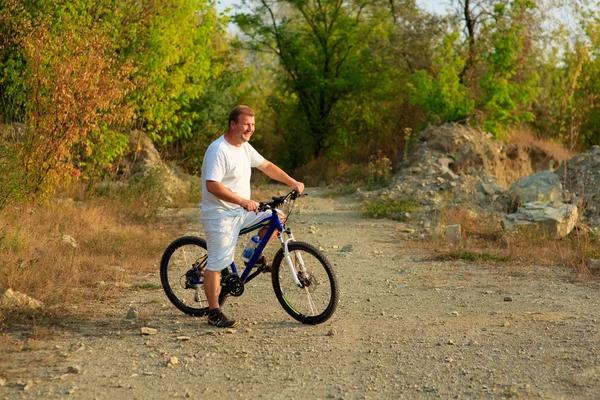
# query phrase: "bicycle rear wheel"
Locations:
[[317, 298], [182, 275]]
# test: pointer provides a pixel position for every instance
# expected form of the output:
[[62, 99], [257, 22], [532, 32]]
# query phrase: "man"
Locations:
[[226, 204]]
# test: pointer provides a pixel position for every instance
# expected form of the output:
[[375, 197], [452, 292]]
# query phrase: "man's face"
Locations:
[[243, 129]]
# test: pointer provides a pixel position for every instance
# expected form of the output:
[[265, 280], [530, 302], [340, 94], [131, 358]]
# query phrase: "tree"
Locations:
[[71, 88], [508, 88], [442, 96], [320, 45]]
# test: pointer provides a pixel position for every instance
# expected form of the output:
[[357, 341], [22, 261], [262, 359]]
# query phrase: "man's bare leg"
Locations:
[[212, 288]]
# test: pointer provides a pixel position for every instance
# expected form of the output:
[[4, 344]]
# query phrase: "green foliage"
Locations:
[[11, 171], [320, 45], [79, 73], [71, 86], [170, 45], [385, 207], [442, 96], [507, 94]]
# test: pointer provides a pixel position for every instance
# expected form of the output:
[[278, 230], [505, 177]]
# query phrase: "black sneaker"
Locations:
[[220, 320]]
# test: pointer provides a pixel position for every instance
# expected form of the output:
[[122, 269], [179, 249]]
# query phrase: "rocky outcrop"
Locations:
[[543, 186], [452, 164], [547, 218], [580, 178]]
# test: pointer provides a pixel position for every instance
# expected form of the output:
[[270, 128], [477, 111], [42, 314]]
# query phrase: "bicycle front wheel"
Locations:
[[315, 300], [182, 275]]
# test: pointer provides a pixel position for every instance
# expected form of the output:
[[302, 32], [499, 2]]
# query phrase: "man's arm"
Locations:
[[276, 173], [221, 191]]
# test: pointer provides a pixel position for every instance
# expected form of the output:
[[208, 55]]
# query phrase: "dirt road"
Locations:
[[406, 327]]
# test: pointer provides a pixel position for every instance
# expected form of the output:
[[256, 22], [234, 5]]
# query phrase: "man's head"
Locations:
[[241, 124]]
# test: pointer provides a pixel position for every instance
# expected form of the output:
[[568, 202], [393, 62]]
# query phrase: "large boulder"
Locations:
[[581, 181], [548, 218], [543, 186]]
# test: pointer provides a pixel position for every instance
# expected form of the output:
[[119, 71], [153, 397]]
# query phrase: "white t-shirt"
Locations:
[[231, 166]]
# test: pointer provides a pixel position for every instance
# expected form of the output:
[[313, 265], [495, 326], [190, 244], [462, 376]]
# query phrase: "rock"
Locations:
[[508, 298], [557, 222], [148, 331], [28, 385], [542, 187], [593, 264], [68, 240], [332, 332], [505, 324], [581, 179], [183, 338], [173, 361], [132, 313], [2, 382], [18, 299], [347, 248], [335, 247], [456, 313], [453, 234], [73, 369]]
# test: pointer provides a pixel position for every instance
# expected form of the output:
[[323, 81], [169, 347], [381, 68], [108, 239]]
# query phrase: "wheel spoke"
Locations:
[[311, 302], [181, 274]]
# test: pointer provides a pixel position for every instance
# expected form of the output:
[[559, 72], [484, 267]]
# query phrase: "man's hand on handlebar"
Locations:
[[297, 186], [249, 205]]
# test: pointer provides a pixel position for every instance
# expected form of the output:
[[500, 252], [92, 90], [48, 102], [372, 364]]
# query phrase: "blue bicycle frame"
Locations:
[[274, 224]]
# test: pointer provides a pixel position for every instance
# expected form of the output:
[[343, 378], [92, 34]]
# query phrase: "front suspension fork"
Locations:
[[288, 258]]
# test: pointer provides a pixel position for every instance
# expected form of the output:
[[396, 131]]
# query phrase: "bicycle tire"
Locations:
[[177, 259], [320, 293]]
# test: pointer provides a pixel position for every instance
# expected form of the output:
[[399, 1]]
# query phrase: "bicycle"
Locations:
[[303, 279]]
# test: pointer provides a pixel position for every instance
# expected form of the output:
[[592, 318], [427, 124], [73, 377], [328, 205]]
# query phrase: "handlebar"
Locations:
[[277, 201]]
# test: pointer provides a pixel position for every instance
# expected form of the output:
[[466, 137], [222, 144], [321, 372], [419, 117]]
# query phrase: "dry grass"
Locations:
[[36, 258], [484, 241], [526, 138]]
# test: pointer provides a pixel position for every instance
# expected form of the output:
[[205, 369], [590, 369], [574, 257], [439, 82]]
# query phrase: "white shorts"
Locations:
[[222, 234]]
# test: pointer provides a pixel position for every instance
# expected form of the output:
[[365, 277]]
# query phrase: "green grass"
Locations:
[[388, 208], [145, 286], [472, 256]]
